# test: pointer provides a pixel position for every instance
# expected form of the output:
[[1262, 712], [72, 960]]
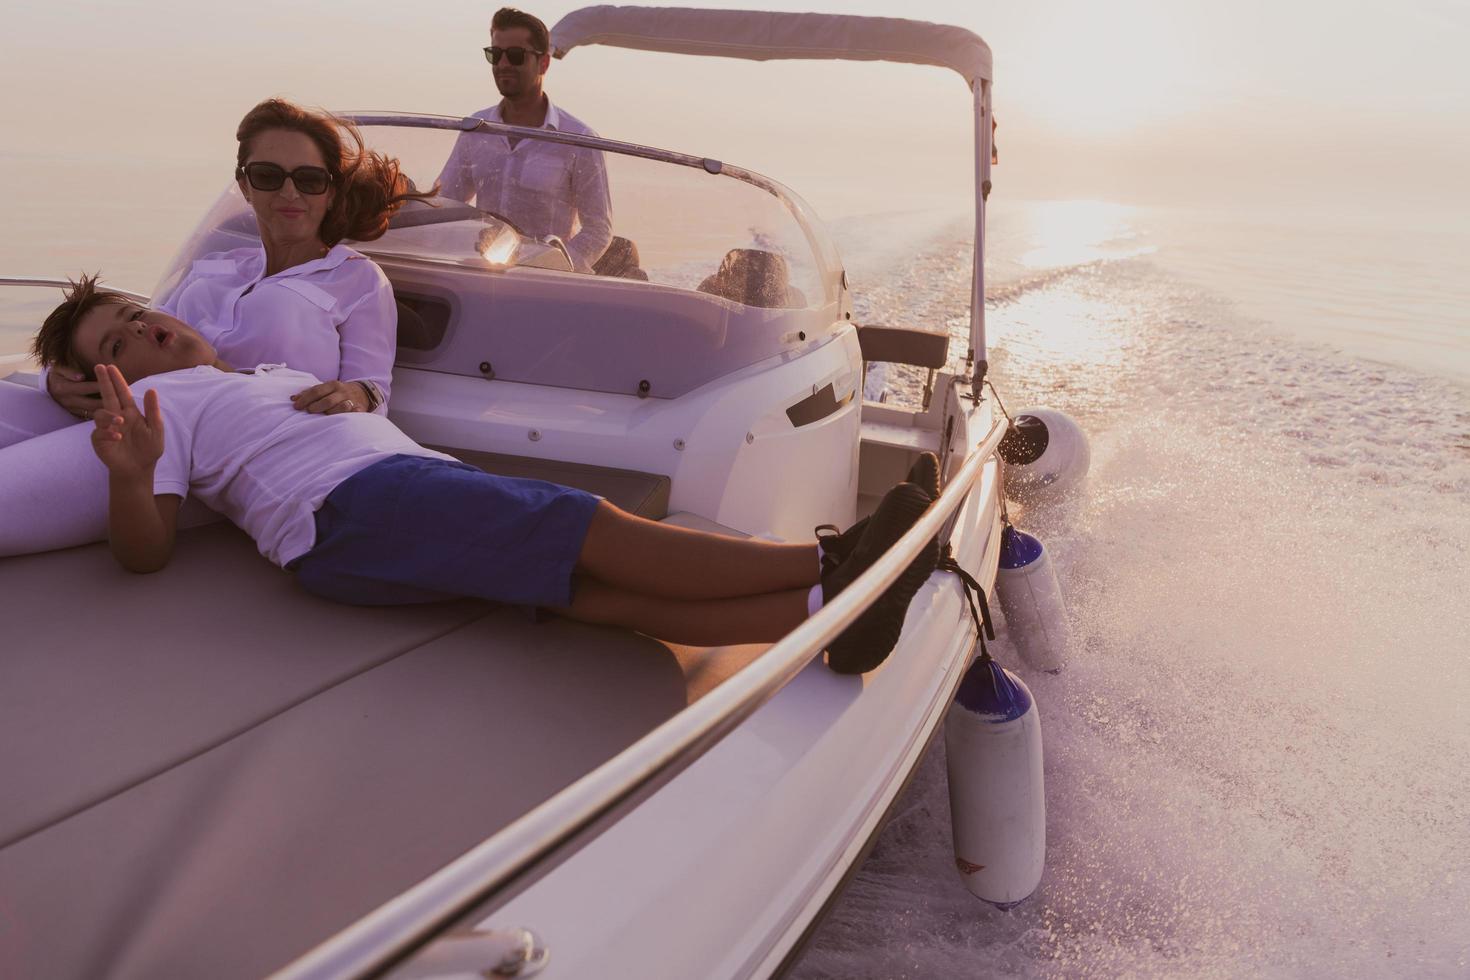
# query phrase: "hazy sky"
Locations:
[[1136, 100]]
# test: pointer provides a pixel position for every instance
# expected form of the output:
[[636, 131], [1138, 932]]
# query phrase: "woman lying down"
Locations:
[[363, 514]]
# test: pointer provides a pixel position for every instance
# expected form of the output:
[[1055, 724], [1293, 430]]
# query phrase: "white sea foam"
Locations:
[[1256, 761]]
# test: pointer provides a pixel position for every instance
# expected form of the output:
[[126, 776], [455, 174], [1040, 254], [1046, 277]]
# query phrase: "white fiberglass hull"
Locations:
[[723, 870]]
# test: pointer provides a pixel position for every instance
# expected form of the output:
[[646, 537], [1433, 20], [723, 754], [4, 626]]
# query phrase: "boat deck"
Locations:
[[360, 748]]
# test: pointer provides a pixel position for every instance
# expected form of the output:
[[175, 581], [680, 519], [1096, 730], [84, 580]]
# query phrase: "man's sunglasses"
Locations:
[[516, 55], [271, 176]]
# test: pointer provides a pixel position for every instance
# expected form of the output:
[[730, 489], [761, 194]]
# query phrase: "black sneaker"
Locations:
[[868, 641], [836, 545], [924, 474]]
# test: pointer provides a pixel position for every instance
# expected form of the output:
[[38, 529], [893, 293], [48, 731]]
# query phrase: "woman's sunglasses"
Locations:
[[516, 55], [271, 176]]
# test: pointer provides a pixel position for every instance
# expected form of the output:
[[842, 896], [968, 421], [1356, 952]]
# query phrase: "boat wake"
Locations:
[[1000, 295], [1255, 757]]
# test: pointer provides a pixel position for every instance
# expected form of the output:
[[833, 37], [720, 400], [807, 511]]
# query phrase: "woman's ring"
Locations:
[[348, 405]]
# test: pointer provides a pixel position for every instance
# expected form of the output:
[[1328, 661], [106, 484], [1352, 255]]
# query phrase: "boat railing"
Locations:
[[16, 360], [471, 124], [499, 866], [64, 284]]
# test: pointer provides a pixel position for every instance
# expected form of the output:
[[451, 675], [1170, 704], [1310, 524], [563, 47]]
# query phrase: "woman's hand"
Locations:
[[332, 398], [125, 439], [73, 392]]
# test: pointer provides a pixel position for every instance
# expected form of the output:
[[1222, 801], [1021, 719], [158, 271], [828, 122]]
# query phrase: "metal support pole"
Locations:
[[982, 191]]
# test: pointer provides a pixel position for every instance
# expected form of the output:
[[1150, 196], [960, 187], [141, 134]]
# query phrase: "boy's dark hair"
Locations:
[[507, 17], [52, 345]]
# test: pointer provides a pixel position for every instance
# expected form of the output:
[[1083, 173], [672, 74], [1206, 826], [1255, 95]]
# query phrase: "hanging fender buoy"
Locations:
[[1031, 598], [997, 801], [1046, 454]]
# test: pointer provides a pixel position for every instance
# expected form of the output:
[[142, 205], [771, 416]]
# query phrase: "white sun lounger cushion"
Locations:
[[209, 770], [239, 859]]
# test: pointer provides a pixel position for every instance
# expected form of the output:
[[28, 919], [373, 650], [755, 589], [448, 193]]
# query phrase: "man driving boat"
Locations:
[[543, 188]]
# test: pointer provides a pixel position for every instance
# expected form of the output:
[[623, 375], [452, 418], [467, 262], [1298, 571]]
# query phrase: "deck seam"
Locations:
[[26, 834]]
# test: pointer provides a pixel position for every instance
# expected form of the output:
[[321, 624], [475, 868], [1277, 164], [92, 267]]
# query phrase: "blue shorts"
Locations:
[[414, 529]]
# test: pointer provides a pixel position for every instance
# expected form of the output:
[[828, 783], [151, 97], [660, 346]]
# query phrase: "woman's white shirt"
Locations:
[[334, 317]]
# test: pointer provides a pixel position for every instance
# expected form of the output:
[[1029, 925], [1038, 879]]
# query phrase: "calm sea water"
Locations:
[[1256, 760]]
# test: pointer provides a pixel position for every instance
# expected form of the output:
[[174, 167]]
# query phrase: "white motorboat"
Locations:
[[258, 781]]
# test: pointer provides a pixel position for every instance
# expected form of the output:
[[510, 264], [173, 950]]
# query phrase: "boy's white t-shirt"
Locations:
[[234, 441]]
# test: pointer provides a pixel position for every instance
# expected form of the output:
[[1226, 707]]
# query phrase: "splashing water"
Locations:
[[1256, 757]]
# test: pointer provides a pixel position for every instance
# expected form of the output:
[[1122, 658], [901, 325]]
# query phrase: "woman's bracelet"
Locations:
[[374, 396]]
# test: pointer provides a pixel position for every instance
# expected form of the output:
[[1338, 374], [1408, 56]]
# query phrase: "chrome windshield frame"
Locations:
[[471, 124], [67, 284]]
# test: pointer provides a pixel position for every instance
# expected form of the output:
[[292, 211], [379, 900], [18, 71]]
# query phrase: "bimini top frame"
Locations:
[[767, 36]]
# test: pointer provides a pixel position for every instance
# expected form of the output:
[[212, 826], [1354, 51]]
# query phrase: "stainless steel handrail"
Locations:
[[471, 124], [64, 284], [398, 927]]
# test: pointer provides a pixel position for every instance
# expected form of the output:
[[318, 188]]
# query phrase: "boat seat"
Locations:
[[109, 678], [620, 260], [755, 277], [909, 438], [209, 770], [644, 494], [904, 345], [23, 377]]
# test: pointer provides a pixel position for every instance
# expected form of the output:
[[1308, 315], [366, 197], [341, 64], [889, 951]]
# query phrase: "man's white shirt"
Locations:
[[544, 188]]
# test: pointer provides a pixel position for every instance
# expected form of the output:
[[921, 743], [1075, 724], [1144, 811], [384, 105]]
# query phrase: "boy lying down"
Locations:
[[363, 514]]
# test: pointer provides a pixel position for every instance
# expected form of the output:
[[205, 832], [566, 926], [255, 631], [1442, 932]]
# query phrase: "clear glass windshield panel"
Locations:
[[432, 230], [551, 205], [616, 215]]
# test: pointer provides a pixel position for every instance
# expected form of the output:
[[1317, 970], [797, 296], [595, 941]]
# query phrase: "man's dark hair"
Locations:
[[52, 345], [508, 17]]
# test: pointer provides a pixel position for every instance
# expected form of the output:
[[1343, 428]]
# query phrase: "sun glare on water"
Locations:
[[1069, 233]]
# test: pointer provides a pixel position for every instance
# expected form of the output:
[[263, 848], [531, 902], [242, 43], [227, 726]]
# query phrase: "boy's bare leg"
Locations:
[[699, 622], [654, 559]]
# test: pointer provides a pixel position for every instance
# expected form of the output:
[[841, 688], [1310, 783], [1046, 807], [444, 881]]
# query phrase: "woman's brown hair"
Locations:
[[369, 185]]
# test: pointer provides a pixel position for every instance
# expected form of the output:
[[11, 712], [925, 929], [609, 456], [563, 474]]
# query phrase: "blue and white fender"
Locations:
[[1031, 598], [997, 801]]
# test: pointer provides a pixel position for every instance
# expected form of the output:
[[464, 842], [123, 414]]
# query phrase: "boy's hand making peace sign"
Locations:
[[140, 525], [126, 440]]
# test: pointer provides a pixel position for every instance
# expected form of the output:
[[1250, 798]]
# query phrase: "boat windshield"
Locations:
[[557, 219], [576, 262]]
